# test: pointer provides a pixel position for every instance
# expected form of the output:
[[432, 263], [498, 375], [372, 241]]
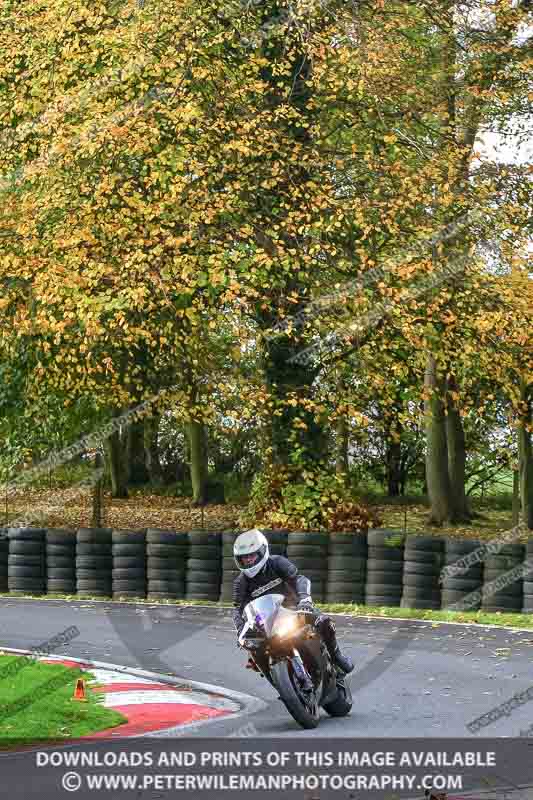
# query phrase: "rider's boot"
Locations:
[[343, 662]]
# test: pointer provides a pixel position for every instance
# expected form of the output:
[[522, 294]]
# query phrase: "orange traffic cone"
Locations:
[[79, 691]]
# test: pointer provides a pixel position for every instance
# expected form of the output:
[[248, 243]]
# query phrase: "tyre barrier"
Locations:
[[128, 576], [61, 561], [422, 565], [26, 564], [4, 551], [94, 562], [391, 568], [347, 561], [462, 579], [229, 567], [500, 592], [166, 562], [384, 569], [309, 551], [204, 565], [527, 607]]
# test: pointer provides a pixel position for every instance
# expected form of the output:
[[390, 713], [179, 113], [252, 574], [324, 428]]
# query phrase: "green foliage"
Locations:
[[284, 497]]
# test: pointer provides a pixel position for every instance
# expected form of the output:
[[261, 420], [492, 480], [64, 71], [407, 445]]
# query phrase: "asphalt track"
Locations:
[[412, 679]]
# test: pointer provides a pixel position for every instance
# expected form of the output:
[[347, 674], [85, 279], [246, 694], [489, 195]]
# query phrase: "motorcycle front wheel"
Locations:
[[305, 713]]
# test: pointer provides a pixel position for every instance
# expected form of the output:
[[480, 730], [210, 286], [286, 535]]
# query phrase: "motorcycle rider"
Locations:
[[262, 574]]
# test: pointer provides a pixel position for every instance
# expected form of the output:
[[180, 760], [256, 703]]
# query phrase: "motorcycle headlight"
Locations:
[[287, 626]]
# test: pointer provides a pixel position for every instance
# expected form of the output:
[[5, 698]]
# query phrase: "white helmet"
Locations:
[[250, 551]]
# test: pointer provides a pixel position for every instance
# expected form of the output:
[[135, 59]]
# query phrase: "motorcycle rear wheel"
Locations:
[[306, 716]]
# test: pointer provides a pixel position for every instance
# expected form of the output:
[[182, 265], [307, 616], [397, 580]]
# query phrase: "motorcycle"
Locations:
[[286, 649]]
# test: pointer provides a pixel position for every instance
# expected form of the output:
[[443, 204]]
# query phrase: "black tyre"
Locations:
[[26, 547], [411, 579], [343, 575], [160, 536], [305, 563], [156, 596], [383, 588], [357, 541], [301, 537], [424, 543], [26, 583], [205, 539], [34, 571], [94, 562], [125, 562], [382, 600], [61, 550], [208, 578], [449, 598], [461, 584], [204, 564], [125, 536], [421, 592], [129, 586], [424, 557], [126, 574], [346, 563], [60, 586], [385, 554], [26, 534], [275, 537], [166, 562], [88, 549], [502, 563], [306, 717], [504, 606], [421, 568], [25, 560], [60, 573], [205, 553], [385, 538], [93, 574], [166, 574], [378, 565], [528, 587], [306, 550], [94, 535], [61, 536], [528, 604], [178, 587], [412, 602], [382, 576], [133, 550], [92, 583]]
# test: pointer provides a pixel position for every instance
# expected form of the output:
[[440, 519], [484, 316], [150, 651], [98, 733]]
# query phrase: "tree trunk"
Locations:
[[525, 452], [198, 449], [138, 474], [437, 477], [455, 439], [516, 498], [393, 464], [151, 449], [114, 449]]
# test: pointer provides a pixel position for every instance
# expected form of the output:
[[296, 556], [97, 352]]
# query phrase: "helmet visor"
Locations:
[[248, 560]]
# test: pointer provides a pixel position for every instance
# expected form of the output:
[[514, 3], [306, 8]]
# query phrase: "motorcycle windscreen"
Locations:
[[264, 611]]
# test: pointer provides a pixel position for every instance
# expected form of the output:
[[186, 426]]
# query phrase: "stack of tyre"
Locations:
[[347, 557], [166, 559], [423, 562], [462, 579], [129, 563], [4, 551], [94, 562], [229, 567], [508, 596], [26, 565], [204, 565], [309, 551], [61, 561], [528, 580], [384, 568]]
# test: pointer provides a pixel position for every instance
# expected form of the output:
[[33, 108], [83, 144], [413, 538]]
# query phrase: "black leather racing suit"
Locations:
[[279, 576]]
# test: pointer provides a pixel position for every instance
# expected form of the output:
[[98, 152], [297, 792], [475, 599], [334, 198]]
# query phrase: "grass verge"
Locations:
[[37, 703]]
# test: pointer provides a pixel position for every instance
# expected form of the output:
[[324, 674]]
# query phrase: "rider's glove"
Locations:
[[305, 604]]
